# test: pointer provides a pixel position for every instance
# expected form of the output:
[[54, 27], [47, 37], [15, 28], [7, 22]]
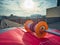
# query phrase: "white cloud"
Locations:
[[13, 6]]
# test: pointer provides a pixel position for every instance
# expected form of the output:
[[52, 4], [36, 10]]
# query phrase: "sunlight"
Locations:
[[28, 5]]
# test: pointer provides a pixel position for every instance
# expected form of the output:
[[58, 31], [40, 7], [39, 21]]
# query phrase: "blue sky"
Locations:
[[8, 7]]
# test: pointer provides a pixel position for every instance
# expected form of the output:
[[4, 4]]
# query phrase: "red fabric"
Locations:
[[19, 37]]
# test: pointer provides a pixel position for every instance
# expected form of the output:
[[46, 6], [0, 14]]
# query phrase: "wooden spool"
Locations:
[[39, 29]]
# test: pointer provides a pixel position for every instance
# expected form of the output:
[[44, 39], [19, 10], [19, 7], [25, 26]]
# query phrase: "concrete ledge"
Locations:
[[53, 20]]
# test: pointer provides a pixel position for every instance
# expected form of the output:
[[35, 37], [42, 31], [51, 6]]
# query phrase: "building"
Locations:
[[53, 14]]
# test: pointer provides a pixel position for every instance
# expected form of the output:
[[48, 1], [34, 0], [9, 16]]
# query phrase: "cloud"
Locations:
[[1, 3], [13, 6], [47, 2]]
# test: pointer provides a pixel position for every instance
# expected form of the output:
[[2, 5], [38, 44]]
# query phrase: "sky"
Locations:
[[25, 7]]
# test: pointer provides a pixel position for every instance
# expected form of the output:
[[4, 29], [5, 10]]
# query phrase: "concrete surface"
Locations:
[[55, 25], [7, 24]]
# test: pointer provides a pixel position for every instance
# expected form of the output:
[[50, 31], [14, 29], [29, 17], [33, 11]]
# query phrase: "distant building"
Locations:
[[36, 16], [53, 14]]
